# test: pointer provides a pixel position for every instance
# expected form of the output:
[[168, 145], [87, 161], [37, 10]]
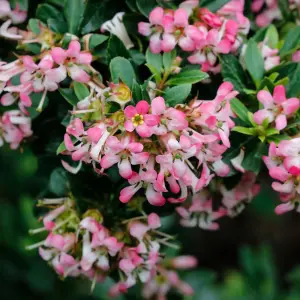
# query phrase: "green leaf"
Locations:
[[168, 58], [284, 8], [240, 110], [213, 5], [254, 61], [34, 26], [59, 26], [137, 57], [244, 130], [272, 36], [146, 6], [177, 94], [253, 160], [116, 48], [58, 183], [154, 60], [293, 124], [96, 40], [233, 72], [271, 131], [47, 11], [260, 34], [187, 76], [121, 68], [293, 87], [69, 95], [137, 93], [292, 41], [74, 12], [36, 98], [81, 90]]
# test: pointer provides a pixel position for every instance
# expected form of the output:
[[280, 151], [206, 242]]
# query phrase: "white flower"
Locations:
[[116, 27]]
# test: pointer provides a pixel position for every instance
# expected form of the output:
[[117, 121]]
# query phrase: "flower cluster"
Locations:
[[284, 167], [201, 213], [163, 150], [276, 108], [43, 74], [82, 246], [16, 15], [209, 34], [14, 127]]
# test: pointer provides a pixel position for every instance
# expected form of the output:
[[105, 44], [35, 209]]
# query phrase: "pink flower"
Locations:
[[145, 178], [138, 119], [73, 61], [14, 127], [200, 213], [125, 152], [235, 200], [276, 108]]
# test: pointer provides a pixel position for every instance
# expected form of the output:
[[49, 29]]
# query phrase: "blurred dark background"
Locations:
[[254, 256]]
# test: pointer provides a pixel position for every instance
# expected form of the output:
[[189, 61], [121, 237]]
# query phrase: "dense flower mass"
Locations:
[[284, 167], [207, 36], [158, 149], [82, 246]]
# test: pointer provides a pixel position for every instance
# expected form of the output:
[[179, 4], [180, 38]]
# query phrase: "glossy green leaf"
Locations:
[[233, 72], [154, 60], [254, 61], [58, 183], [74, 12], [34, 25], [146, 6], [292, 40], [46, 11], [244, 130], [116, 48], [69, 95], [177, 94], [187, 76], [121, 69], [168, 59], [240, 110], [81, 90], [96, 40], [213, 5], [272, 36], [293, 87]]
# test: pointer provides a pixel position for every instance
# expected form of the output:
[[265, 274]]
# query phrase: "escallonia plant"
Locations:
[[152, 108]]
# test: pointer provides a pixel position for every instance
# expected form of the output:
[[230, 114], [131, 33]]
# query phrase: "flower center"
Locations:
[[137, 120]]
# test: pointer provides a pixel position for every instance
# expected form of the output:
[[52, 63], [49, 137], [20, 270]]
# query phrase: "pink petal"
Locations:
[[73, 49], [142, 107], [154, 197], [135, 147], [291, 106], [109, 160], [281, 122], [84, 58], [144, 131], [158, 106], [263, 114], [168, 42], [128, 125], [181, 18], [94, 134], [144, 28], [154, 221], [78, 74], [59, 55], [284, 208], [156, 16], [279, 94], [155, 43], [68, 142], [265, 98], [130, 111], [138, 230], [125, 168]]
